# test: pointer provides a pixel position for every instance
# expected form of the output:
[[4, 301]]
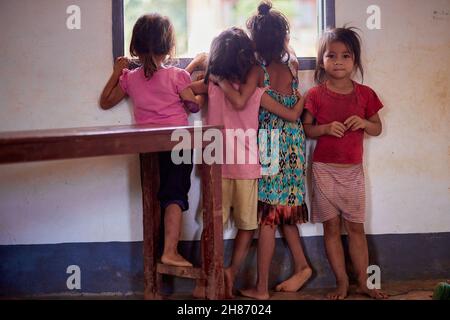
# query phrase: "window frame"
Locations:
[[326, 20]]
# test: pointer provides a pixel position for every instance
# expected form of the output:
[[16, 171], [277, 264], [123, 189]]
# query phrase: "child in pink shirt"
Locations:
[[281, 193], [157, 100], [160, 95]]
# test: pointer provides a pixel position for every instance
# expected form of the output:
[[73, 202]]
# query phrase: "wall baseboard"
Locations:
[[116, 267]]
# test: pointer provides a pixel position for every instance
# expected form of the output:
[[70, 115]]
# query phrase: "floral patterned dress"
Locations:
[[281, 193]]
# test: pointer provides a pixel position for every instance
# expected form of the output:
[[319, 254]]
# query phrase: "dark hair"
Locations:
[[349, 38], [153, 35], [231, 55], [268, 29]]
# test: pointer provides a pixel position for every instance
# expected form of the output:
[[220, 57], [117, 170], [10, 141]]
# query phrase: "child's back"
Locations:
[[222, 112], [159, 94], [291, 192], [231, 64], [281, 194], [157, 100], [280, 77]]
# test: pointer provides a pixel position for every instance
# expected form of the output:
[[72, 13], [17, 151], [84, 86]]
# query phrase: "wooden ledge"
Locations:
[[184, 272], [55, 144]]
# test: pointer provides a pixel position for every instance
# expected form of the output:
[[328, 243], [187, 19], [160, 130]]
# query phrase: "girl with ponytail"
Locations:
[[160, 95]]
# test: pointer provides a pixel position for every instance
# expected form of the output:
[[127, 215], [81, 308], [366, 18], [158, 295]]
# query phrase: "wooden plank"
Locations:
[[184, 272], [212, 236], [24, 146], [54, 144], [151, 222], [54, 134]]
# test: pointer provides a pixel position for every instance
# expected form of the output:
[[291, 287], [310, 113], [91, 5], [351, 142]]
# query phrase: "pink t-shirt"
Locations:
[[222, 112], [157, 100]]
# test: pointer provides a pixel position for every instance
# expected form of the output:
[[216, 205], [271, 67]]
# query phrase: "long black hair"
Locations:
[[231, 56], [269, 29]]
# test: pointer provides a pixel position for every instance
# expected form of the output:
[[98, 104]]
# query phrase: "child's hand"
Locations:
[[355, 123], [200, 76], [336, 129], [300, 103], [120, 64], [199, 60]]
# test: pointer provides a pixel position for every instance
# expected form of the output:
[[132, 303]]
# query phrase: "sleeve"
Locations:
[[258, 94], [123, 80], [182, 80], [311, 102], [373, 104]]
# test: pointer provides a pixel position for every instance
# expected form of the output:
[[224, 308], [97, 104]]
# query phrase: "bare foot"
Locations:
[[175, 260], [372, 293], [340, 293], [295, 282], [255, 294], [199, 290], [229, 282]]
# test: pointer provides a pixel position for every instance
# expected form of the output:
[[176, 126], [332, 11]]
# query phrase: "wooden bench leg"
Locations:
[[152, 220], [212, 236]]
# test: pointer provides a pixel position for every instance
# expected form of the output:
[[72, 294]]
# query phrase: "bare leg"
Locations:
[[172, 228], [302, 271], [360, 258], [266, 246], [335, 254], [241, 245]]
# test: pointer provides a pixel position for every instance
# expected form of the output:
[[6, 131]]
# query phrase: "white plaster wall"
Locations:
[[407, 62], [52, 77]]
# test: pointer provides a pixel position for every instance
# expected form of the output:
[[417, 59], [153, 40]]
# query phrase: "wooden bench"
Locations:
[[146, 140]]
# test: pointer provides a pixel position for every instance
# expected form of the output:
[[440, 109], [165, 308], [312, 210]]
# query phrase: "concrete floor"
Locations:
[[405, 290]]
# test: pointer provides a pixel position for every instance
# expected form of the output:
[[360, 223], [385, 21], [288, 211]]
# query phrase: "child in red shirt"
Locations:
[[337, 112]]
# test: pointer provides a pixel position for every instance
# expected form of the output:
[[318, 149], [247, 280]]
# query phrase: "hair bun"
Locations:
[[264, 8]]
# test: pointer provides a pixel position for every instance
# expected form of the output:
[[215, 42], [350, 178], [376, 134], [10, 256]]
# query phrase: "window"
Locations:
[[197, 22]]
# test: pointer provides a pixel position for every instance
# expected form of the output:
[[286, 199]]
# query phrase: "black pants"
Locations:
[[174, 181]]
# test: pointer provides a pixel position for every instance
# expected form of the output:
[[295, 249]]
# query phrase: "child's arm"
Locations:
[[200, 90], [371, 126], [198, 62], [240, 98], [191, 101], [335, 128], [271, 105], [112, 94], [293, 61], [199, 87]]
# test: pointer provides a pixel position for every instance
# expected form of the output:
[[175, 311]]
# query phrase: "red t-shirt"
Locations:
[[327, 106]]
